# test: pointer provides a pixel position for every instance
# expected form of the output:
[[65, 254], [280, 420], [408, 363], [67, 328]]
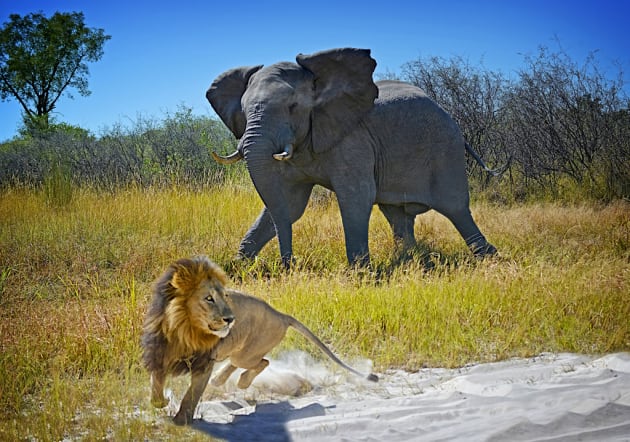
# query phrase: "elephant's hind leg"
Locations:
[[401, 223], [467, 228]]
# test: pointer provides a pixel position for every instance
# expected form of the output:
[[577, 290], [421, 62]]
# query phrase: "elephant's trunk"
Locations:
[[264, 164]]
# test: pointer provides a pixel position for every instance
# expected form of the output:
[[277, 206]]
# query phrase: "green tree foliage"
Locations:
[[41, 58]]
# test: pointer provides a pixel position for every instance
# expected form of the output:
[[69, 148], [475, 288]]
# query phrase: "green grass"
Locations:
[[75, 281]]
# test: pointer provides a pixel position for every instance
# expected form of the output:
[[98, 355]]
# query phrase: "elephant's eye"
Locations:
[[292, 107]]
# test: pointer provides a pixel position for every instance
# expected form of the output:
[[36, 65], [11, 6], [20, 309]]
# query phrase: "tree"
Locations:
[[41, 58], [570, 120]]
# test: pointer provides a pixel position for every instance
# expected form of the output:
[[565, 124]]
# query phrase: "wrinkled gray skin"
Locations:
[[324, 121]]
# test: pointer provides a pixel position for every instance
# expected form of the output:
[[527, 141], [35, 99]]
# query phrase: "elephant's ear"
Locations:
[[344, 92], [225, 97]]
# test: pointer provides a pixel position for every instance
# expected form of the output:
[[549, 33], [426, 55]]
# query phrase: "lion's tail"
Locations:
[[302, 329]]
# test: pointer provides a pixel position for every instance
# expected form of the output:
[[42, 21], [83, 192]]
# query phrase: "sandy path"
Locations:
[[548, 398]]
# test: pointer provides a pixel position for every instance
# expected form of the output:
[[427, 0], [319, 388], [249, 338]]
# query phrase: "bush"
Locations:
[[175, 151], [564, 126]]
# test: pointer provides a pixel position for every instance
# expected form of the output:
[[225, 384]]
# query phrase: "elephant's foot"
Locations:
[[243, 256], [359, 260], [486, 250], [480, 247], [288, 261]]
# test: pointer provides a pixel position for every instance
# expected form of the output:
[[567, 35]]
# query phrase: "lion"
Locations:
[[193, 321]]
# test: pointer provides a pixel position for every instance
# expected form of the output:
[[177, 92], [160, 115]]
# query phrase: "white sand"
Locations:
[[564, 397]]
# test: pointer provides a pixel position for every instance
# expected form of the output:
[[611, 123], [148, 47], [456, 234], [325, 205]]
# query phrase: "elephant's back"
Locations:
[[408, 110], [389, 90], [407, 119], [420, 147]]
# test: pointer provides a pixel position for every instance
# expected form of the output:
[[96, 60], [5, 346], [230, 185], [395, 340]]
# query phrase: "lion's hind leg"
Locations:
[[248, 375], [223, 375]]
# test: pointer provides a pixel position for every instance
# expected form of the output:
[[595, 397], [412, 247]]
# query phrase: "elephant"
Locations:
[[323, 120]]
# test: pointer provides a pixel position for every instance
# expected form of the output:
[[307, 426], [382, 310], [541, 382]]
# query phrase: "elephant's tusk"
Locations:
[[230, 159], [286, 154]]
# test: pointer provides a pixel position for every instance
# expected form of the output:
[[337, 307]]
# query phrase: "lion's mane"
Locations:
[[175, 338]]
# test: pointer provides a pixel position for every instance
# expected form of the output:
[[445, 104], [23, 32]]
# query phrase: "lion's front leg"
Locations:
[[198, 383], [157, 390]]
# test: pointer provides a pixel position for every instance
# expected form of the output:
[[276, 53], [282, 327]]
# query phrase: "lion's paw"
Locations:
[[159, 402]]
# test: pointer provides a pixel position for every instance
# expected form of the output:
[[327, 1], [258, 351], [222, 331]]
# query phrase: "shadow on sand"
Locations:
[[267, 423]]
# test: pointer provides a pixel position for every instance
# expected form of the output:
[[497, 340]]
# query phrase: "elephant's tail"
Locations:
[[493, 172]]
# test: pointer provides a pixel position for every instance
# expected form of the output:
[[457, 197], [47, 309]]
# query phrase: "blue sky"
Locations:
[[164, 55]]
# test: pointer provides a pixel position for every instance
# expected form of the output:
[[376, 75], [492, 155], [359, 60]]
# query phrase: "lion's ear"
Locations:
[[183, 280], [216, 272]]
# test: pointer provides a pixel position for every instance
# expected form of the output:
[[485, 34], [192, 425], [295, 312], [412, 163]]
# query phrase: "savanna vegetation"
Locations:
[[87, 223], [75, 281], [562, 126]]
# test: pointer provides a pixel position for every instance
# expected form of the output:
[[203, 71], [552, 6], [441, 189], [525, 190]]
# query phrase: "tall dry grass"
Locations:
[[75, 281]]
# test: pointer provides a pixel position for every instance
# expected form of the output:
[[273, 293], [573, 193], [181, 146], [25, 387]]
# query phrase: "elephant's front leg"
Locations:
[[199, 381], [355, 205], [259, 234], [277, 219]]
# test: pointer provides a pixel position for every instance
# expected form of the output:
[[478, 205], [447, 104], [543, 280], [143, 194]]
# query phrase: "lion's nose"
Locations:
[[228, 319]]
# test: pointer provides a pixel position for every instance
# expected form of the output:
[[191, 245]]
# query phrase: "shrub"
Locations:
[[175, 151]]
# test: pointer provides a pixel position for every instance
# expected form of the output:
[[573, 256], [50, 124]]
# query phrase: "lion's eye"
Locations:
[[210, 299]]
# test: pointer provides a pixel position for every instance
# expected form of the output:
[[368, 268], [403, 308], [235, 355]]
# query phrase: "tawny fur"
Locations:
[[194, 321]]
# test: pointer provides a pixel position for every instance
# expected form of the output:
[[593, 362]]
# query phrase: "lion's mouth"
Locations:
[[224, 331]]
